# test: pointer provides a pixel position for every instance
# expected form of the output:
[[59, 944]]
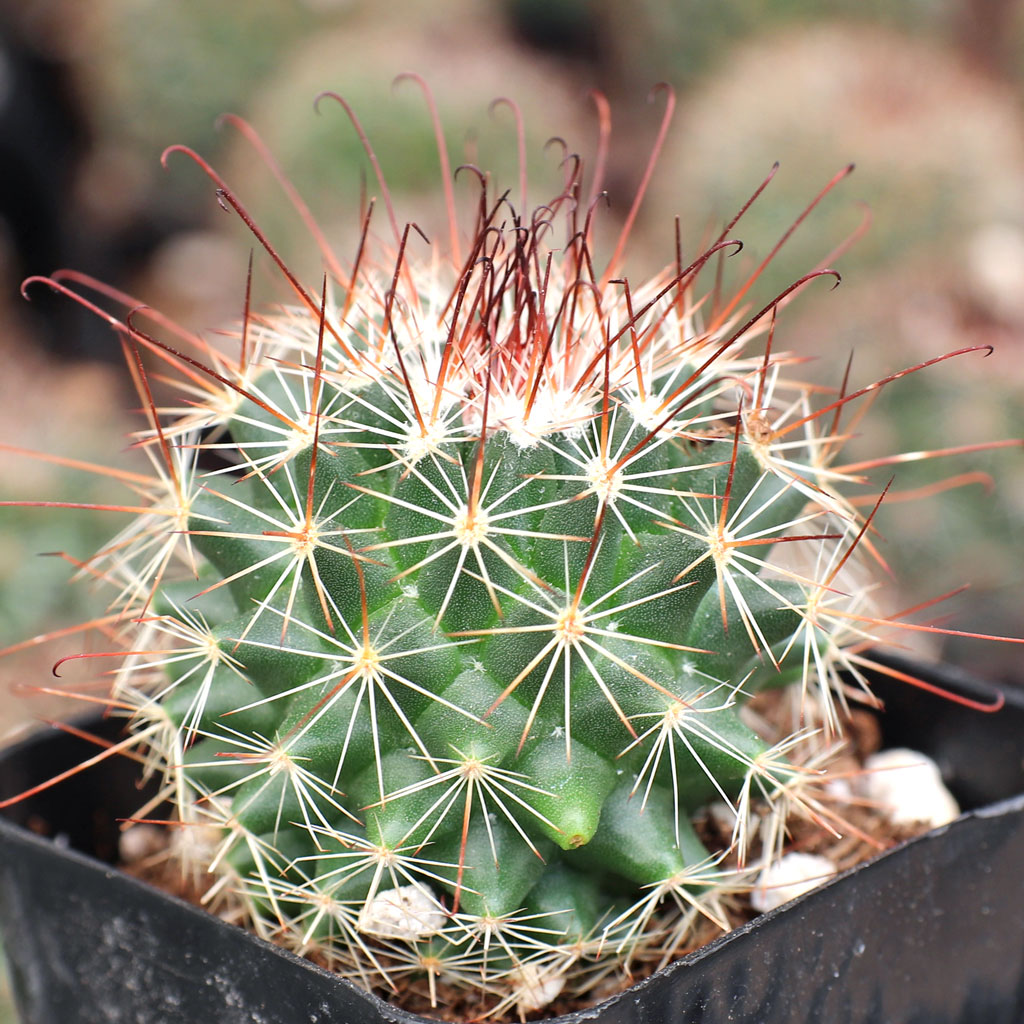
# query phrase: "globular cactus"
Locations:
[[445, 602]]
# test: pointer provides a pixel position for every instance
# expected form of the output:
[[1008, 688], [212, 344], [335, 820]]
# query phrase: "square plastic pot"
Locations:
[[931, 931]]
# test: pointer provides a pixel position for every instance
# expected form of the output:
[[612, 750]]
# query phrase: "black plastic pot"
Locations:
[[930, 932]]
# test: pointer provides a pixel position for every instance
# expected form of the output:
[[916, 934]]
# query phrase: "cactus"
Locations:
[[443, 607]]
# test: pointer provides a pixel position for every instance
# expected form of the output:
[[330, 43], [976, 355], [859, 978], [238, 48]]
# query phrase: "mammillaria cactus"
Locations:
[[443, 607]]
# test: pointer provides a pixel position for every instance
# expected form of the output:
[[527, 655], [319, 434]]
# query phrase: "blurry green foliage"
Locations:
[[169, 70], [35, 595], [684, 40]]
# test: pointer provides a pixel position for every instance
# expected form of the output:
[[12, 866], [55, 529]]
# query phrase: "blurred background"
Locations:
[[926, 96]]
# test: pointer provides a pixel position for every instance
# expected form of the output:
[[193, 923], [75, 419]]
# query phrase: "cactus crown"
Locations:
[[450, 588]]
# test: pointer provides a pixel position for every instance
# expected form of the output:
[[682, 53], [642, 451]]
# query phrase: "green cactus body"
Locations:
[[477, 641], [456, 648], [502, 662]]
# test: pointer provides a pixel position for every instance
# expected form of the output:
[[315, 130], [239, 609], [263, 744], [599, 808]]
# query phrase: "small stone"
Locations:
[[139, 842], [790, 876], [839, 790], [723, 815], [536, 986], [196, 844], [908, 787], [403, 913]]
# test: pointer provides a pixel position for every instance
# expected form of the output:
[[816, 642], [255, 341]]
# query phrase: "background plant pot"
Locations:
[[932, 931]]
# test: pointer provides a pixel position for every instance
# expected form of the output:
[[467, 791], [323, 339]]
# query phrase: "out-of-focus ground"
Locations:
[[927, 100]]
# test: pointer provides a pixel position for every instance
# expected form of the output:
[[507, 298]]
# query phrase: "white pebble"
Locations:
[[839, 790], [723, 815], [536, 987], [403, 913], [140, 841], [908, 786], [196, 844], [790, 876]]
